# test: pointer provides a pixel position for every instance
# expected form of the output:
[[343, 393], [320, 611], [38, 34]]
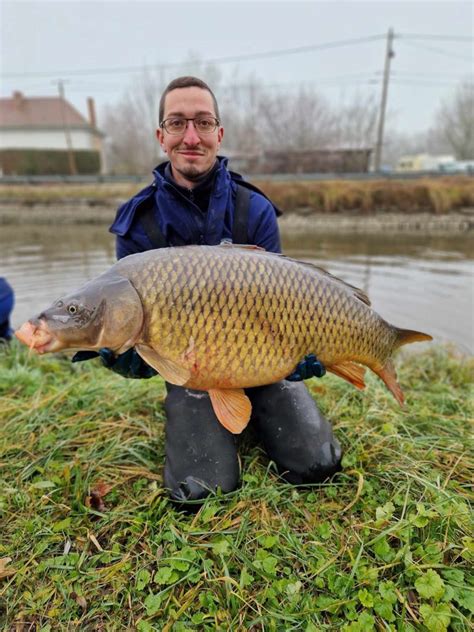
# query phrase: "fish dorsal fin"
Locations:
[[350, 371], [360, 294], [228, 244], [232, 408], [169, 370]]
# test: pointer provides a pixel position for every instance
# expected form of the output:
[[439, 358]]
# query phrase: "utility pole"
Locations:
[[67, 131], [383, 105]]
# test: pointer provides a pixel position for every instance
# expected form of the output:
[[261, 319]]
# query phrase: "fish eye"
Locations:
[[72, 309]]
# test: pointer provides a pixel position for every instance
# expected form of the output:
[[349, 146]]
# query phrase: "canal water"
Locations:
[[414, 281]]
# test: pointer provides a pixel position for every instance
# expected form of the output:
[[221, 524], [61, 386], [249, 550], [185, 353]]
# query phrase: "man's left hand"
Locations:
[[309, 367]]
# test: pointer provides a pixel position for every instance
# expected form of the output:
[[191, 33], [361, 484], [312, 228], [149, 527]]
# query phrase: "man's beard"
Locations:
[[192, 173]]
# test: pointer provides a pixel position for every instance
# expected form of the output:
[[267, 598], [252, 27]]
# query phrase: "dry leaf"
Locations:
[[80, 600], [94, 540], [4, 571], [95, 500]]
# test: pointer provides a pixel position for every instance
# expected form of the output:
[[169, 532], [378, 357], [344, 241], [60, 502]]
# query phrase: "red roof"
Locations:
[[39, 112]]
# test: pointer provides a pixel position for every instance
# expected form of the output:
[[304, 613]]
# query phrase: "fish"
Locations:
[[222, 319]]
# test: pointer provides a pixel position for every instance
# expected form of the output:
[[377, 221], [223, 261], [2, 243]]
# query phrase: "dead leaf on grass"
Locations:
[[4, 571], [97, 495], [80, 600]]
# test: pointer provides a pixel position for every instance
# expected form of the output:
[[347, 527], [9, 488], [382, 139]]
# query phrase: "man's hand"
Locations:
[[309, 367], [128, 364]]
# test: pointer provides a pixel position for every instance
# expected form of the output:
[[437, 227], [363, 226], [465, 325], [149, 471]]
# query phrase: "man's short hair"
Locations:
[[186, 82]]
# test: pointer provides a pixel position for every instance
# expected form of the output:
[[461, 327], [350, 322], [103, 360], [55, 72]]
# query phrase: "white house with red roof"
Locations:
[[38, 127]]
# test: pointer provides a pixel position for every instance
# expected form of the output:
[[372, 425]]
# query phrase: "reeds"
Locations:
[[373, 196], [427, 195]]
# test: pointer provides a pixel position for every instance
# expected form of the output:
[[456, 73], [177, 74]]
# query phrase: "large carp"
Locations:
[[224, 318]]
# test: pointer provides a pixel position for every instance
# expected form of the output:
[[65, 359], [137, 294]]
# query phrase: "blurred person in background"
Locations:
[[7, 300]]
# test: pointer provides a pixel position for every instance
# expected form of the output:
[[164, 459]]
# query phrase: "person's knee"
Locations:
[[296, 436], [201, 455]]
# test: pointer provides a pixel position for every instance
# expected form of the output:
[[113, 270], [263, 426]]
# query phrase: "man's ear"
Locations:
[[159, 136], [220, 136]]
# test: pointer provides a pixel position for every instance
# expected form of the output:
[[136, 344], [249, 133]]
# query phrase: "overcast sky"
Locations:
[[58, 38]]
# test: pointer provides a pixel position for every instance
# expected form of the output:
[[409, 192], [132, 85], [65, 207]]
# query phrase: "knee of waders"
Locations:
[[295, 434], [201, 455]]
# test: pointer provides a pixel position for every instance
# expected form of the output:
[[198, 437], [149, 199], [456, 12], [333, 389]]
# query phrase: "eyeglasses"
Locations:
[[202, 124]]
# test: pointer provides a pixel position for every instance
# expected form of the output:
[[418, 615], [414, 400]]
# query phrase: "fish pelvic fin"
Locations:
[[169, 370], [388, 375], [349, 371], [232, 408], [407, 336]]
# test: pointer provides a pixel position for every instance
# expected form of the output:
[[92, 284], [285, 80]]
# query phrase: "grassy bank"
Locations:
[[435, 195], [89, 540]]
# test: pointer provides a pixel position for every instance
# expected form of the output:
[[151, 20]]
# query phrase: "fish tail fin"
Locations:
[[388, 375], [407, 336]]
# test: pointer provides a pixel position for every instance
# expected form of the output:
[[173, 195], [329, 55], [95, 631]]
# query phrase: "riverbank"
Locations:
[[90, 540], [98, 213], [441, 204]]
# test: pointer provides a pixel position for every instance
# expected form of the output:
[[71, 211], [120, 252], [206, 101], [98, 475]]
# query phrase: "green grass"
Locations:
[[385, 545]]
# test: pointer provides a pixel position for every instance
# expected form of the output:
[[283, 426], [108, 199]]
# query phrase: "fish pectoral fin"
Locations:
[[169, 370], [232, 408], [350, 371]]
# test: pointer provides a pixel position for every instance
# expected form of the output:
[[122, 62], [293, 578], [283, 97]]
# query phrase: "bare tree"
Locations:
[[130, 126], [238, 103], [455, 121], [296, 122], [355, 122]]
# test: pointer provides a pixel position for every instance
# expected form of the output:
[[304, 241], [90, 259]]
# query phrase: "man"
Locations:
[[194, 199]]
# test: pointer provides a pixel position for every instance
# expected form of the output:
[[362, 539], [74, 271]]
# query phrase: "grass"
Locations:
[[426, 195], [89, 540]]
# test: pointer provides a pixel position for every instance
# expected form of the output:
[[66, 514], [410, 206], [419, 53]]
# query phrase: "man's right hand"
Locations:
[[128, 364]]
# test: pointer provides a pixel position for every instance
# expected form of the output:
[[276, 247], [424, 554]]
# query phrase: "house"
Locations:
[[47, 135]]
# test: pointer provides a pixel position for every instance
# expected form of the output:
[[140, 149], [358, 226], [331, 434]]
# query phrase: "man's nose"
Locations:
[[191, 137]]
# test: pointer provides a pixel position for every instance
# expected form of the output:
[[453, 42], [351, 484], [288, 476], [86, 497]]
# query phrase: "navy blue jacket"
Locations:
[[7, 301], [183, 223]]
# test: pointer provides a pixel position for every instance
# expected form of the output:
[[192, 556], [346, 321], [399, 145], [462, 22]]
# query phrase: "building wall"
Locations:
[[47, 139]]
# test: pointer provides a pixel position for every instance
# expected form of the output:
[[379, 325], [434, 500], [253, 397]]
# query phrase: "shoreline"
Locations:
[[93, 212]]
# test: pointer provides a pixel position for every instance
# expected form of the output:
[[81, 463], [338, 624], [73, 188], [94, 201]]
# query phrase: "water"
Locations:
[[414, 281]]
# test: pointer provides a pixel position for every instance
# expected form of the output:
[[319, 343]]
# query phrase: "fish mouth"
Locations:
[[37, 336]]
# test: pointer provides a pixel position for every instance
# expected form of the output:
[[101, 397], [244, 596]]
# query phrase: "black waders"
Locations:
[[201, 454]]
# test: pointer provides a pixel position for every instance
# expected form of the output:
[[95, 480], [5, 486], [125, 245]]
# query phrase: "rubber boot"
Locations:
[[201, 455], [294, 433]]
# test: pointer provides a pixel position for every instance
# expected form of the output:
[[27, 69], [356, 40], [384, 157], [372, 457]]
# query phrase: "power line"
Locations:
[[437, 75], [423, 83], [217, 60], [453, 38], [440, 51]]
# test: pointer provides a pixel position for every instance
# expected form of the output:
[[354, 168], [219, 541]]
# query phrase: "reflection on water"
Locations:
[[414, 281]]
